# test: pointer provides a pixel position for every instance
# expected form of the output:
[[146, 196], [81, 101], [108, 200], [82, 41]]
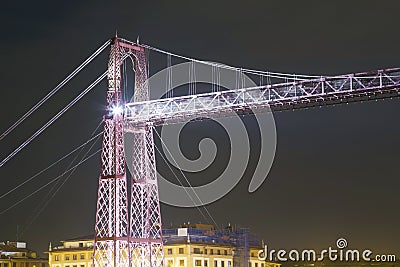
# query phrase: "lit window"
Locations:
[[56, 258], [181, 262], [170, 263]]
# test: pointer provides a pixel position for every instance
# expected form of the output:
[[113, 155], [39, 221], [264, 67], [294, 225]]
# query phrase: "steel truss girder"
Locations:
[[294, 95]]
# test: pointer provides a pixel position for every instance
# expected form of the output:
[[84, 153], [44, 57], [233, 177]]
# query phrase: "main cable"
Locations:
[[245, 70], [44, 127], [55, 90]]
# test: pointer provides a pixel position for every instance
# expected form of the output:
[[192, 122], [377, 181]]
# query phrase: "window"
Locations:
[[252, 254], [27, 264], [67, 259], [211, 251], [197, 263], [181, 262], [74, 265], [256, 264], [215, 263], [74, 257], [56, 258], [225, 252], [219, 252], [82, 265], [262, 264], [170, 263], [222, 263], [14, 264], [81, 245], [5, 264], [82, 256], [43, 264], [205, 263], [181, 251], [196, 251], [169, 251], [229, 264], [205, 251]]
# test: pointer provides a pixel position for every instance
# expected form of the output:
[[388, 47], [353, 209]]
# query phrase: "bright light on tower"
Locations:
[[117, 110]]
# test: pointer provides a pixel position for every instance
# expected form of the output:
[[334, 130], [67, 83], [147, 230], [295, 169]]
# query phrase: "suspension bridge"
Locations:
[[128, 228]]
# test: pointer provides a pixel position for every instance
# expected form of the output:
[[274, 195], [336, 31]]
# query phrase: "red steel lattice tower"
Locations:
[[127, 236]]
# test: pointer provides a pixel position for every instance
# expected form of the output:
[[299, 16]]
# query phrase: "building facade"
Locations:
[[16, 254], [195, 245]]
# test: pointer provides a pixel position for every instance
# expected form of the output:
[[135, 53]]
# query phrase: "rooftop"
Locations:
[[187, 233]]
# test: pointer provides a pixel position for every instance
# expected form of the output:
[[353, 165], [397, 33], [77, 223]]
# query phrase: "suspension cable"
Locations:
[[53, 191], [55, 90], [51, 165], [44, 127], [184, 176], [245, 70], [47, 184], [184, 187]]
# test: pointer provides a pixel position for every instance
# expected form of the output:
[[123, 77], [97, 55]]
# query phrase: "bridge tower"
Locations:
[[127, 235]]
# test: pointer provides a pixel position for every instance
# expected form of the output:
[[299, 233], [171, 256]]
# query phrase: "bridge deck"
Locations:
[[293, 95]]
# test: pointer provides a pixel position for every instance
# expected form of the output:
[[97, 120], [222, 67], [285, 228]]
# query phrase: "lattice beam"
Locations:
[[294, 95]]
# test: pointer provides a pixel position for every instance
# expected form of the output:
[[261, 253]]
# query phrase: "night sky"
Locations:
[[335, 172]]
